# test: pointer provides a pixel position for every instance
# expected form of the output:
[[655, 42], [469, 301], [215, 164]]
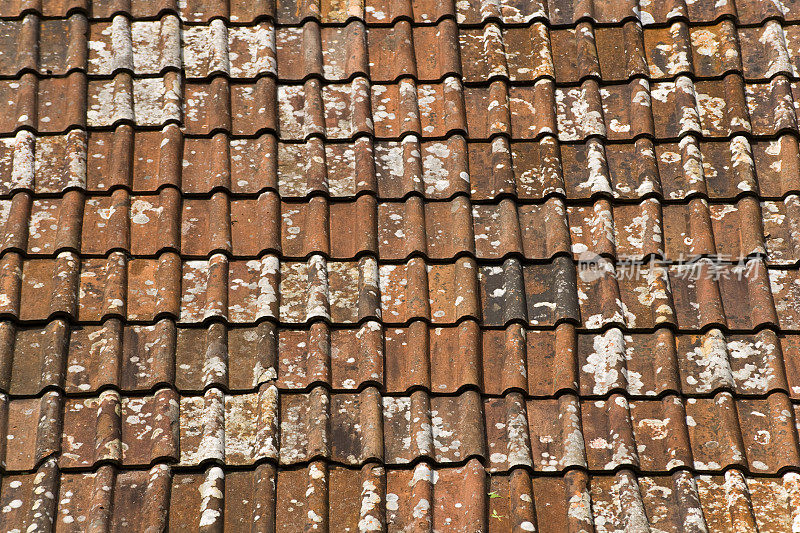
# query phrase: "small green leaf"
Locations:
[[493, 494]]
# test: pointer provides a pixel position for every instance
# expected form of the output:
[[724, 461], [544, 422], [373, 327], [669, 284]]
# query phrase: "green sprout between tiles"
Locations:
[[492, 495]]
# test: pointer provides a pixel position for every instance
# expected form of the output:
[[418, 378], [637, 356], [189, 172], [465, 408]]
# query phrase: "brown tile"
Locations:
[[440, 230], [317, 226], [217, 426], [488, 110], [714, 432], [714, 50], [788, 346], [428, 52], [779, 233], [153, 287], [598, 10], [554, 426], [141, 101], [42, 104], [540, 294], [345, 358], [110, 163], [336, 291], [537, 169], [514, 12], [155, 45], [620, 51], [764, 51], [533, 110], [750, 497], [755, 12], [537, 231], [774, 163], [136, 358], [335, 53], [420, 11], [440, 293], [92, 430], [138, 497], [696, 282], [463, 496], [791, 35], [318, 167], [688, 230], [61, 45], [354, 421], [446, 429], [154, 417], [238, 108], [722, 107], [728, 168], [103, 56], [520, 54], [37, 352], [398, 265], [681, 167], [771, 106], [101, 291], [441, 359], [436, 169], [632, 169], [31, 430], [669, 51], [33, 487], [675, 108], [609, 434], [591, 229], [437, 50], [427, 109], [738, 229], [51, 8], [206, 291], [308, 490], [771, 419], [660, 13], [337, 111], [659, 430], [577, 47], [241, 52], [784, 288], [638, 363], [624, 487], [639, 230]]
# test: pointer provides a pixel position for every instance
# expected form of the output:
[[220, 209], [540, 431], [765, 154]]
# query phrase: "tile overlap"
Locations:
[[403, 265]]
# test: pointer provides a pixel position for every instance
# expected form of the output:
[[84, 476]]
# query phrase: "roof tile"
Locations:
[[136, 358], [399, 265]]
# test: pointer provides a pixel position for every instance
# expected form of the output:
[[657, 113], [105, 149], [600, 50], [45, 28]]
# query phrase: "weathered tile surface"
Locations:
[[399, 265]]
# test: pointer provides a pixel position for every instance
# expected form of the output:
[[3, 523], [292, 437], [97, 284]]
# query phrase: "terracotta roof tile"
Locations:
[[368, 265], [434, 168], [549, 435], [422, 12], [335, 53], [246, 290], [415, 355], [519, 54], [516, 497], [424, 52]]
